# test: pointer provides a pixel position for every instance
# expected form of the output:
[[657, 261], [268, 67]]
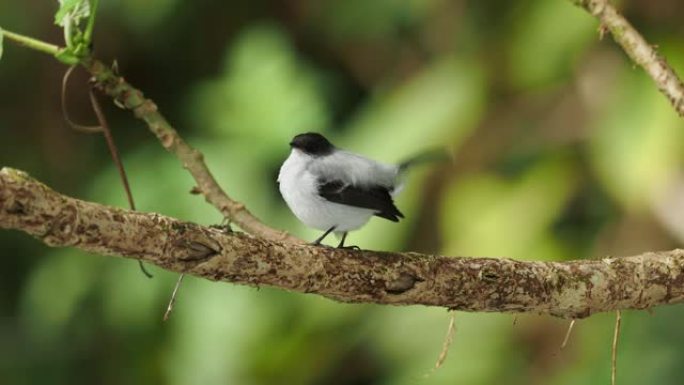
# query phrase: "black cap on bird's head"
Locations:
[[312, 143]]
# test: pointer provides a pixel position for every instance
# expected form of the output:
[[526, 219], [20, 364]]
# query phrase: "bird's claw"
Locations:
[[354, 247]]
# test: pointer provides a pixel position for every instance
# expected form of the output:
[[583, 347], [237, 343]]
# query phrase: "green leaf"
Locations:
[[0, 43], [71, 12]]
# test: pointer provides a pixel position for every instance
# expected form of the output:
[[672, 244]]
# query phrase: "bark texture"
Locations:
[[572, 289]]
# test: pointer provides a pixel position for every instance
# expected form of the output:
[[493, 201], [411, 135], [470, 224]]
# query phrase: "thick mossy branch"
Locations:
[[573, 289]]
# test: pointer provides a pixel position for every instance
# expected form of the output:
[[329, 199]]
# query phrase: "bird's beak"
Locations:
[[291, 144]]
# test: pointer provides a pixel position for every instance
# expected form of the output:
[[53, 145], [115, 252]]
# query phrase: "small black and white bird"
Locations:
[[335, 190]]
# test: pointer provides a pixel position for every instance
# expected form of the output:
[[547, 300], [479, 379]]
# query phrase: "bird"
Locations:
[[337, 191]]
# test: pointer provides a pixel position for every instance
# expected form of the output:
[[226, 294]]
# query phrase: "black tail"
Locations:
[[428, 156]]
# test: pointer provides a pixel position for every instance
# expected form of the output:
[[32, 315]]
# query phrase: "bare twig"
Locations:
[[616, 336], [574, 289], [638, 49], [113, 151], [567, 334], [448, 339], [32, 43], [172, 301]]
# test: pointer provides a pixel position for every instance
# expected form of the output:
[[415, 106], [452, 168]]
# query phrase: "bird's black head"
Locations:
[[312, 143]]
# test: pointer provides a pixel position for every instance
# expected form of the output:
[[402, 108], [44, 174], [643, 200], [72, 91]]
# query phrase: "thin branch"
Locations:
[[638, 49], [113, 151], [64, 55], [574, 289], [32, 43], [567, 334], [613, 358], [172, 301], [448, 340], [133, 99]]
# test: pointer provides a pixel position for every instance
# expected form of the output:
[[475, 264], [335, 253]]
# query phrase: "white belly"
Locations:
[[299, 188]]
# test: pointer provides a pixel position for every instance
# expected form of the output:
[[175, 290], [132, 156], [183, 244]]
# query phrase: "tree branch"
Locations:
[[129, 97], [145, 109], [638, 49], [572, 289], [32, 43]]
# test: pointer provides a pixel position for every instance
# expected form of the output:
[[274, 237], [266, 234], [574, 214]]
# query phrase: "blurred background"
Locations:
[[563, 150]]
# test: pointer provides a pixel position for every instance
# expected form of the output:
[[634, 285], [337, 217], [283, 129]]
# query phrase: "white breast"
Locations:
[[299, 187]]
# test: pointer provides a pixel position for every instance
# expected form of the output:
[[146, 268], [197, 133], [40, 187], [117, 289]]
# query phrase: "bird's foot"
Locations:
[[354, 247], [319, 244], [224, 226], [318, 240]]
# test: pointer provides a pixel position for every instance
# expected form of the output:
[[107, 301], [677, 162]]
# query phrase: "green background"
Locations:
[[563, 150]]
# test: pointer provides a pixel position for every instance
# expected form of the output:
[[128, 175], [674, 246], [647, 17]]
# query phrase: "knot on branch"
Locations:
[[16, 208], [196, 251], [403, 283], [488, 274], [193, 246]]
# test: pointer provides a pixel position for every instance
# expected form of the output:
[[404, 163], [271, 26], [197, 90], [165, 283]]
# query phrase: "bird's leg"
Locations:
[[319, 239], [344, 236], [342, 246]]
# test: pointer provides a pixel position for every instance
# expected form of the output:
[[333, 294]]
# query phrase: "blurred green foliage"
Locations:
[[562, 149]]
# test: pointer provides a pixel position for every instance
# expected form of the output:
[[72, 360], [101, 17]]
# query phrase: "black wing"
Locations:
[[373, 197]]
